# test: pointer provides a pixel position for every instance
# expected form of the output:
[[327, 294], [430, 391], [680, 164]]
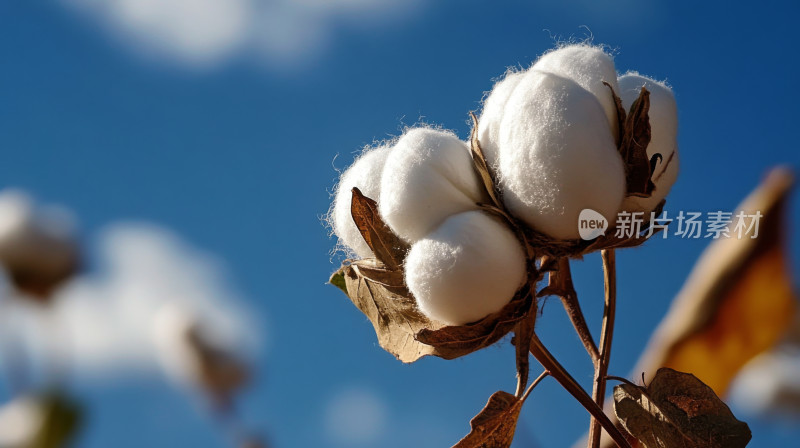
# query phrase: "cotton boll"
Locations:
[[664, 136], [558, 156], [38, 245], [468, 268], [428, 176], [588, 66], [364, 173], [492, 114]]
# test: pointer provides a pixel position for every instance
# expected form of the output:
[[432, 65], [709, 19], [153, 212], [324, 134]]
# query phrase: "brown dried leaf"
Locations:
[[495, 425], [456, 341], [523, 333], [678, 410], [634, 136], [392, 311], [387, 247], [621, 114], [633, 147], [404, 331], [481, 166]]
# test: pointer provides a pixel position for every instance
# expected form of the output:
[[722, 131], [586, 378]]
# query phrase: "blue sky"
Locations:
[[239, 155]]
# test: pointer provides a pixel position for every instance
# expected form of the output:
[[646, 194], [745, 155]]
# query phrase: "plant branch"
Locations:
[[535, 383], [601, 367], [557, 371], [560, 284]]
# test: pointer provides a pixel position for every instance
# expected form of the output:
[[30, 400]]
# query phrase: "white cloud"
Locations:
[[355, 417], [207, 32], [103, 323]]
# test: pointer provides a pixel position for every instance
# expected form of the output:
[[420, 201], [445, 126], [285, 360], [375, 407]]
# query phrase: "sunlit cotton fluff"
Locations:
[[664, 136], [364, 173], [468, 268], [492, 115], [557, 156], [428, 176], [588, 66]]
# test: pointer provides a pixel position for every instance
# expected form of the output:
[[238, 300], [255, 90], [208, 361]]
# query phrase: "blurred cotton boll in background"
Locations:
[[38, 245], [194, 356], [105, 320], [203, 33]]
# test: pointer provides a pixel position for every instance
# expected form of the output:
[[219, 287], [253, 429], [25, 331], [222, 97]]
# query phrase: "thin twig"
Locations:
[[557, 371], [535, 383], [601, 368]]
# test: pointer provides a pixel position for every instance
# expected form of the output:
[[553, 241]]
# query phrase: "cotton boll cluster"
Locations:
[[365, 174], [664, 136], [468, 268], [463, 264], [428, 176], [552, 137], [557, 155], [550, 133]]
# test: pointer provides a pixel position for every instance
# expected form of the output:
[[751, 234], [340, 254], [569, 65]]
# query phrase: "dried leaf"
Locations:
[[220, 373], [404, 331], [523, 333], [634, 136], [738, 301], [482, 168], [456, 341], [495, 425], [634, 147], [337, 280], [621, 114], [392, 311], [387, 247], [678, 410]]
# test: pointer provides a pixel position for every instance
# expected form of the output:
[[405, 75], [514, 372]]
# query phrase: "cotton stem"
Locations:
[[601, 367]]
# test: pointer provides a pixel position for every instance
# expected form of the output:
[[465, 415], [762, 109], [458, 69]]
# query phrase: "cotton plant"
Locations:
[[449, 241]]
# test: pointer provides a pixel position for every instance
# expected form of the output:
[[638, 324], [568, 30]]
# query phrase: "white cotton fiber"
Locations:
[[469, 267], [428, 176], [664, 136], [558, 156], [588, 66], [364, 173], [492, 114]]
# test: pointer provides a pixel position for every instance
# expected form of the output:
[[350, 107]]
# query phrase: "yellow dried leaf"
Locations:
[[737, 303]]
